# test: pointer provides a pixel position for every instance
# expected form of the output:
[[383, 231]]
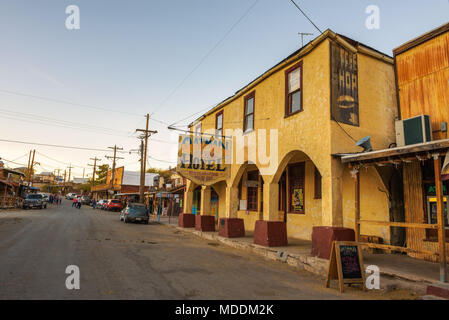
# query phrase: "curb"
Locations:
[[305, 262]]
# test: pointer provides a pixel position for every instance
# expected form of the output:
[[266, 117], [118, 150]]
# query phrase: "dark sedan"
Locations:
[[135, 212]]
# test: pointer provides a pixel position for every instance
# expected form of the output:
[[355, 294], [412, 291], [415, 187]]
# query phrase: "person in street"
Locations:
[[94, 203], [75, 200], [78, 203]]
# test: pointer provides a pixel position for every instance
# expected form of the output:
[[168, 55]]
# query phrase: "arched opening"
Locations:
[[250, 184], [300, 191]]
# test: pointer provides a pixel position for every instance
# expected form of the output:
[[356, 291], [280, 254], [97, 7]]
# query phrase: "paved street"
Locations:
[[130, 261]]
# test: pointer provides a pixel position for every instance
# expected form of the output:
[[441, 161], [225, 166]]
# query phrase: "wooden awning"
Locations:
[[422, 151]]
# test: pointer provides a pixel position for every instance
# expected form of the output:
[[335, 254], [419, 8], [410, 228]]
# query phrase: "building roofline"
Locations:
[[346, 42], [421, 39]]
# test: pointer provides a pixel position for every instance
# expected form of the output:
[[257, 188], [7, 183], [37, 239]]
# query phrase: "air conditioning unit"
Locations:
[[413, 131]]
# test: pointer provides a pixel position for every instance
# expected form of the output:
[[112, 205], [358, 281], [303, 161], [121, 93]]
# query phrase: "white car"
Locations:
[[70, 195], [101, 204]]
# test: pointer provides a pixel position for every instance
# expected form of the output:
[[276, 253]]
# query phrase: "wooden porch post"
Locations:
[[4, 196], [441, 220], [357, 205]]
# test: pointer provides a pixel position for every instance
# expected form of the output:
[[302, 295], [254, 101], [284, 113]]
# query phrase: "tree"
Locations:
[[161, 172], [102, 173]]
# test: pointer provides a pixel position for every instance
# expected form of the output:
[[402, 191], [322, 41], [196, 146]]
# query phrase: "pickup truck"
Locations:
[[34, 200]]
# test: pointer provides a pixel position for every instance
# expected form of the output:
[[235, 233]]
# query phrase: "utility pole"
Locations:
[[30, 172], [65, 175], [83, 172], [95, 169], [70, 171], [142, 183], [147, 134], [115, 158], [28, 169]]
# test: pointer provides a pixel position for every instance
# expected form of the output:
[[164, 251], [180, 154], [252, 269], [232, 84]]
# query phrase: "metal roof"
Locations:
[[420, 150]]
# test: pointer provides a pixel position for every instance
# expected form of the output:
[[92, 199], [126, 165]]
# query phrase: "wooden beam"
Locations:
[[441, 219], [401, 224], [357, 205], [396, 248]]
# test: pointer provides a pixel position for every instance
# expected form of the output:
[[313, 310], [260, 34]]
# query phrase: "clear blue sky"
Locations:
[[130, 55]]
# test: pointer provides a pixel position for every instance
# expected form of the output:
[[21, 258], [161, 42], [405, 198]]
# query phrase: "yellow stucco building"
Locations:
[[315, 104]]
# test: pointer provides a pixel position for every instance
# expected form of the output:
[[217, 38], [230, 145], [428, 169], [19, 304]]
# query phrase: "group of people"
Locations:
[[77, 202], [55, 199]]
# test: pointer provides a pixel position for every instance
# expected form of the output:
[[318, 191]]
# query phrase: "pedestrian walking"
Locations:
[[75, 201], [94, 203]]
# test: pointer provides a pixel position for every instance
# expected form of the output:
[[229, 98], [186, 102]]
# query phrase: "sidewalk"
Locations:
[[297, 254]]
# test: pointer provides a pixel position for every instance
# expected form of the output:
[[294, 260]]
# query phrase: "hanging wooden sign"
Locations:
[[346, 264]]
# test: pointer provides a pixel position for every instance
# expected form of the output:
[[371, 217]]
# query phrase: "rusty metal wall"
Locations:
[[423, 81]]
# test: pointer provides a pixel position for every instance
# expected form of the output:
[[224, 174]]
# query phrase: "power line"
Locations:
[[166, 161], [58, 146], [206, 56], [62, 124], [61, 162], [190, 116], [90, 106], [67, 102], [305, 15]]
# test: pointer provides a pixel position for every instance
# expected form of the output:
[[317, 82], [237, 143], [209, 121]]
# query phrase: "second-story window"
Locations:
[[198, 130], [248, 115], [219, 124], [293, 94]]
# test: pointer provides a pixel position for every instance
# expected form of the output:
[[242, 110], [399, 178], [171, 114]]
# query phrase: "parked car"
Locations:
[[114, 205], [101, 204], [46, 197], [86, 200], [135, 212], [34, 200], [70, 195]]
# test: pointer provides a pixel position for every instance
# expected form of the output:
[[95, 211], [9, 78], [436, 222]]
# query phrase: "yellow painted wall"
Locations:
[[313, 137], [373, 203]]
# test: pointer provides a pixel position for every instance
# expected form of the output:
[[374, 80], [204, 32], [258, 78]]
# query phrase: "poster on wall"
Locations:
[[344, 85], [298, 200]]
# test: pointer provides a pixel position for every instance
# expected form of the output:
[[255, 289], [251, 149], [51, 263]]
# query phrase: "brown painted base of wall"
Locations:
[[439, 290], [205, 223], [322, 238], [270, 233], [186, 220], [231, 228]]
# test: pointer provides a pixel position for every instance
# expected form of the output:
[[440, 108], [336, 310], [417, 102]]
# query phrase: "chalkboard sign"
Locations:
[[350, 264], [346, 264]]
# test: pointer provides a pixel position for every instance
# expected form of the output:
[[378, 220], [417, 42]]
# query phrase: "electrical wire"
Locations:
[[172, 93], [73, 103], [68, 102], [61, 123], [61, 146], [61, 162], [305, 15]]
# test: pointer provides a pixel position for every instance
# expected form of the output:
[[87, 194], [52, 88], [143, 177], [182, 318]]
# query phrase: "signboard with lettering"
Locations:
[[346, 264], [344, 85], [203, 159]]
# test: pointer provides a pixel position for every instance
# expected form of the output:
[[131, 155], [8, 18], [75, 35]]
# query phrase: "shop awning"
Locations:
[[422, 151]]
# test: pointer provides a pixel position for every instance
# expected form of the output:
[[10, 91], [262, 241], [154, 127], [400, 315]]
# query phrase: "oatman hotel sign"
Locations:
[[207, 158], [203, 159]]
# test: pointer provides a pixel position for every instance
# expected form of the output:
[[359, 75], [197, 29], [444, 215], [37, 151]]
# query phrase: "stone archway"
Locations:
[[289, 194]]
